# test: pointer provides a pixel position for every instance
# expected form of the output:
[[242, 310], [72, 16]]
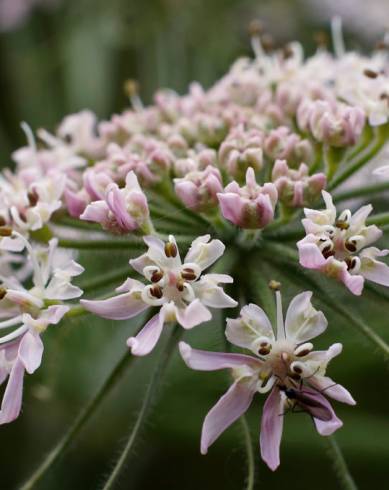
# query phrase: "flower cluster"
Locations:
[[227, 174]]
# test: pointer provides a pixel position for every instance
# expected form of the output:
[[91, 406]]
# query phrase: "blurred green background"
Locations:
[[61, 57]]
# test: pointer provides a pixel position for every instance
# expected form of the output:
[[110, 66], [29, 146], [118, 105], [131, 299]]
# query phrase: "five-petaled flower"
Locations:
[[29, 313], [181, 290], [335, 245], [284, 365]]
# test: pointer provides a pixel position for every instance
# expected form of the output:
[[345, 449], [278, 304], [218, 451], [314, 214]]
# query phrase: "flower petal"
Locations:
[[204, 252], [194, 314], [328, 387], [119, 307], [271, 429], [247, 330], [303, 322], [229, 408], [12, 399], [147, 338], [202, 360], [31, 351]]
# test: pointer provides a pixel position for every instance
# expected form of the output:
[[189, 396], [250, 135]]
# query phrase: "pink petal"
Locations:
[[31, 351], [310, 256], [229, 408], [12, 399], [147, 338], [97, 212], [74, 203], [194, 314], [231, 206], [353, 283], [328, 387], [117, 205], [271, 429], [202, 360], [119, 307]]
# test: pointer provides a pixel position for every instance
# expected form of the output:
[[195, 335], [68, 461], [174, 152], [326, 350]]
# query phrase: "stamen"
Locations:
[[188, 274], [156, 291], [180, 285], [5, 231], [131, 89], [255, 31], [370, 73], [337, 37], [3, 292], [280, 317], [156, 276], [170, 249]]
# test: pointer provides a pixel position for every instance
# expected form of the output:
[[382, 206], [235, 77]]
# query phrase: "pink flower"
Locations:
[[336, 246], [198, 190], [250, 206], [282, 144], [283, 364], [122, 210], [240, 150], [333, 123], [296, 188], [180, 289]]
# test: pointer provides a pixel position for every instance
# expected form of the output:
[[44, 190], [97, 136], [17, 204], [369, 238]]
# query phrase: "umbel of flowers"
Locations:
[[206, 192]]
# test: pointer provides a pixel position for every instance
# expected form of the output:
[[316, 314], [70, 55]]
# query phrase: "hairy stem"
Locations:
[[340, 464], [150, 396], [249, 454], [80, 421]]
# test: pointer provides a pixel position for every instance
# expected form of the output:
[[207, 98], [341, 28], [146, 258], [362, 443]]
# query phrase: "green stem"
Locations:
[[363, 191], [80, 421], [333, 158], [150, 395], [379, 141], [99, 244], [249, 453], [340, 464]]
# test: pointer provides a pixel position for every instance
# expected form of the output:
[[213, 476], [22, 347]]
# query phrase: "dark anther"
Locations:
[[342, 225], [3, 292], [170, 249], [131, 87], [5, 231], [68, 139], [351, 246], [263, 351], [351, 262], [327, 252], [188, 274], [370, 73], [303, 353], [255, 28], [156, 291], [156, 276], [274, 285], [287, 51], [297, 369], [180, 286], [33, 197], [2, 221], [295, 376]]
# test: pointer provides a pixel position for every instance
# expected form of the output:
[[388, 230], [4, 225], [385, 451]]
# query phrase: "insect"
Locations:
[[308, 400]]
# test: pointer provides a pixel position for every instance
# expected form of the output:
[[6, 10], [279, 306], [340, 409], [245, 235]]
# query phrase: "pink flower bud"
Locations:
[[296, 188], [333, 123], [282, 144], [198, 190], [250, 206], [241, 150]]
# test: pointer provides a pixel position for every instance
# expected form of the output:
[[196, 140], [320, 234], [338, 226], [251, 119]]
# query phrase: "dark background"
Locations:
[[76, 54]]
